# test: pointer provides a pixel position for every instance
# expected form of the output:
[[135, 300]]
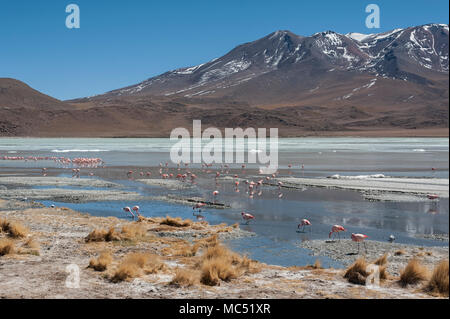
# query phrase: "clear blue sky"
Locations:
[[124, 42]]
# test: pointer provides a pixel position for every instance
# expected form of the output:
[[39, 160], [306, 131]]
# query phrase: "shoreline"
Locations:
[[60, 234], [387, 133]]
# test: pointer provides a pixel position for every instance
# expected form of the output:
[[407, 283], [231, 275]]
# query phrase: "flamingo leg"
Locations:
[[365, 246], [339, 236]]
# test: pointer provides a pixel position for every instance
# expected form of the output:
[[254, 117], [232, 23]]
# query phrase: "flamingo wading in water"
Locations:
[[136, 210], [303, 223], [247, 217], [128, 210]]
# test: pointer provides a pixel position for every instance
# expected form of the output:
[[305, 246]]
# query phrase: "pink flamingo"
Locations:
[[336, 229], [360, 238], [303, 223], [432, 196], [215, 193], [136, 210], [247, 217], [128, 210]]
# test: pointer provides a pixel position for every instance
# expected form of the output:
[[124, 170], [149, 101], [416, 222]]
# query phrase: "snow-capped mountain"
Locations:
[[283, 62], [393, 83]]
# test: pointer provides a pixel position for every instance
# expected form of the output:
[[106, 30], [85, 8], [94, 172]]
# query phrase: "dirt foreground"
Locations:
[[60, 252]]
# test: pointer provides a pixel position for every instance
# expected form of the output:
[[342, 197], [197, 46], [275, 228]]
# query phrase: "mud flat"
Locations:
[[346, 252], [15, 181], [171, 184], [60, 237], [380, 189], [68, 195], [190, 201]]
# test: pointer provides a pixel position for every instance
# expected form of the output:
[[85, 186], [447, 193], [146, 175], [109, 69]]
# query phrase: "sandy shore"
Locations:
[[61, 233], [68, 195], [383, 189], [19, 181]]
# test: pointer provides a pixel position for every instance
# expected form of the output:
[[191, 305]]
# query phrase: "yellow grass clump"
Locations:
[[13, 229], [357, 273], [6, 247], [176, 222], [102, 262], [438, 282], [400, 252], [31, 247], [133, 231], [103, 235], [219, 263], [413, 273], [184, 278], [382, 260], [136, 264]]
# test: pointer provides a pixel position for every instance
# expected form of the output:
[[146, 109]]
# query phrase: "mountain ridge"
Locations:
[[324, 84]]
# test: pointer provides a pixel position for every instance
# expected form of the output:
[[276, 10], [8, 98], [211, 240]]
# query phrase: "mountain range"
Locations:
[[393, 83]]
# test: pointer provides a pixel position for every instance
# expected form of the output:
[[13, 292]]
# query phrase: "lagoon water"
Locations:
[[276, 223]]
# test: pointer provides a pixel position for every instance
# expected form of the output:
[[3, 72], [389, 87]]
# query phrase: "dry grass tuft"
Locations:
[[13, 229], [184, 278], [382, 260], [413, 273], [102, 262], [383, 272], [400, 252], [438, 282], [317, 265], [220, 263], [214, 270], [103, 235], [32, 247], [133, 231], [176, 222], [136, 264], [357, 273], [6, 247]]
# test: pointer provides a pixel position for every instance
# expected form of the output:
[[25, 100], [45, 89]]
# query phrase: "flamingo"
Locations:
[[360, 238], [336, 229], [247, 217], [128, 210], [215, 193], [136, 210], [433, 196], [303, 224]]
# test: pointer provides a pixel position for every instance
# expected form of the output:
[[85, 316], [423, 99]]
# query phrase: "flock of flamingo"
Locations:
[[84, 162], [252, 189]]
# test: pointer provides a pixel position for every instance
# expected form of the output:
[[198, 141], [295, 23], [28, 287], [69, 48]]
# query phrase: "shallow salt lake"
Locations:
[[276, 221]]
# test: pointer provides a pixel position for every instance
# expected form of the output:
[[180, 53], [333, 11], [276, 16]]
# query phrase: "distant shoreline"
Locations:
[[413, 133]]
